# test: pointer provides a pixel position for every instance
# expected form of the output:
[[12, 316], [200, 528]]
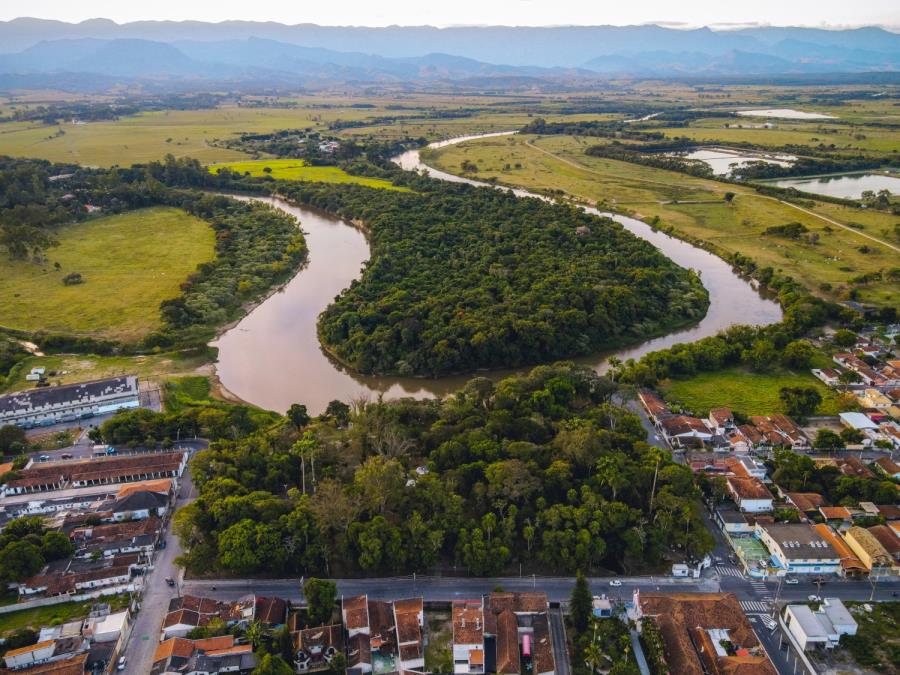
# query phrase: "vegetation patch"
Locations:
[[127, 265], [744, 391], [876, 645], [295, 169]]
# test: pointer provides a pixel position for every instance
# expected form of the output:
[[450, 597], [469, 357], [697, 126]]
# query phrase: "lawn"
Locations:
[[129, 262], [876, 645], [744, 391], [70, 368], [54, 615], [295, 169], [694, 207]]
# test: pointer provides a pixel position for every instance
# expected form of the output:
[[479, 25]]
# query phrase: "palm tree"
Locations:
[[255, 633]]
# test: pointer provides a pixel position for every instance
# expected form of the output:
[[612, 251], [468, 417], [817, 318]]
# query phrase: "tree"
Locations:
[[320, 597], [255, 633], [800, 402], [580, 604], [339, 412], [12, 439], [826, 439], [56, 546], [298, 416], [844, 338], [273, 664], [851, 436], [761, 356], [797, 354], [20, 560], [728, 197]]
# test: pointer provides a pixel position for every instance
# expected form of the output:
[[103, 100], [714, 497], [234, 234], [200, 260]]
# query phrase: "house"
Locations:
[[682, 430], [602, 607], [869, 550], [830, 376], [874, 399], [807, 503], [798, 548], [315, 648], [655, 407], [888, 540], [888, 467], [749, 494], [209, 656], [848, 465], [851, 566], [409, 619], [43, 656], [837, 515], [71, 665], [745, 437], [781, 430], [48, 405], [189, 611], [744, 465], [68, 576], [355, 615], [270, 612], [822, 628], [517, 633], [108, 628], [139, 505], [733, 522], [383, 637], [704, 633], [721, 420], [468, 637]]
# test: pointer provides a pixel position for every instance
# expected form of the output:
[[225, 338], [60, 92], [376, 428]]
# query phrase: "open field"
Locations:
[[130, 263], [71, 368], [53, 615], [747, 392], [295, 169], [696, 207]]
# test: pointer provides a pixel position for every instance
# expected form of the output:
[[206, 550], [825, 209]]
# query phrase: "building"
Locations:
[[315, 648], [49, 405], [888, 467], [888, 540], [468, 637], [210, 656], [869, 550], [807, 503], [655, 407], [822, 628], [830, 376], [721, 420], [781, 430], [704, 633], [851, 566], [874, 399], [682, 431], [189, 611], [857, 421], [383, 637], [517, 633], [798, 548], [71, 665], [749, 494], [409, 619]]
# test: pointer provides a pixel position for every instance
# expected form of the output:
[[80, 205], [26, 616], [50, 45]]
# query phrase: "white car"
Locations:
[[121, 664], [814, 598], [791, 581], [615, 582]]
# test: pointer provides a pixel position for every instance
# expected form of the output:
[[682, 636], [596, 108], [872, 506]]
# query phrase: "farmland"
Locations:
[[129, 263]]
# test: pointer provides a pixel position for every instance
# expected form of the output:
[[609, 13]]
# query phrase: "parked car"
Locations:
[[791, 580], [122, 664], [814, 598], [66, 455], [44, 458], [615, 582], [170, 581]]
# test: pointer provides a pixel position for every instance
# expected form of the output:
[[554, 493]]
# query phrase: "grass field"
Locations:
[[744, 391], [130, 263], [294, 169], [694, 206], [54, 615], [82, 367]]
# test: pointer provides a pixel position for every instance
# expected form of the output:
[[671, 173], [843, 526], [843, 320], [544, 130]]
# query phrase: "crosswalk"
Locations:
[[729, 571], [762, 589], [755, 607]]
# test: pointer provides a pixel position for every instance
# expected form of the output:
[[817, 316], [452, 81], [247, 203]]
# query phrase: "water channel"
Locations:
[[273, 358]]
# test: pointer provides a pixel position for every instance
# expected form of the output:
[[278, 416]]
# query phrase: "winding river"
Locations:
[[272, 357]]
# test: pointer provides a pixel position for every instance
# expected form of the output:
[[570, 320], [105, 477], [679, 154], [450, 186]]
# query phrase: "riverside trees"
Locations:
[[492, 476]]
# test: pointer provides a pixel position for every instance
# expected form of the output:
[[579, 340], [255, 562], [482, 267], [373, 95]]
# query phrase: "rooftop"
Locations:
[[468, 623], [748, 488], [799, 541], [67, 394]]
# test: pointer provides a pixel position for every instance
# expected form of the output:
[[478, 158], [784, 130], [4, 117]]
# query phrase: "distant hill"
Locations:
[[306, 53]]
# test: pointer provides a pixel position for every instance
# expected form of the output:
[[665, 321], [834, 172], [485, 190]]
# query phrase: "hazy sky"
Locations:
[[453, 12]]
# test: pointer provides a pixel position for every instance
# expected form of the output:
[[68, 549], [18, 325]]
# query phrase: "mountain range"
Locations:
[[308, 54]]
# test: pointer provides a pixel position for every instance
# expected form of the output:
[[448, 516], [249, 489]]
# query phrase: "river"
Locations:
[[272, 357]]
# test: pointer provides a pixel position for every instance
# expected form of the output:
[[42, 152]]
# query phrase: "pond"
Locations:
[[272, 357], [786, 114], [723, 161], [846, 186]]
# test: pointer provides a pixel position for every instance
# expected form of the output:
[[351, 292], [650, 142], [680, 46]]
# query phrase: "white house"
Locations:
[[821, 628], [750, 494], [798, 548], [468, 637]]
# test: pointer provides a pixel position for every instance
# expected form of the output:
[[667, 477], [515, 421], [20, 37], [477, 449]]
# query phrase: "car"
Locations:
[[769, 622], [122, 664], [791, 581], [66, 455], [44, 458], [814, 598], [170, 581], [615, 582]]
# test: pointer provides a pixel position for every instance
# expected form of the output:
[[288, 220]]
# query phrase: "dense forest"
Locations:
[[541, 470], [462, 278]]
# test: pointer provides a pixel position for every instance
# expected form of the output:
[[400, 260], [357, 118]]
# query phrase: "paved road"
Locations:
[[157, 594], [560, 650]]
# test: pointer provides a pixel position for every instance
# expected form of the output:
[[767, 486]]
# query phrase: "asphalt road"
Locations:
[[558, 635], [157, 593]]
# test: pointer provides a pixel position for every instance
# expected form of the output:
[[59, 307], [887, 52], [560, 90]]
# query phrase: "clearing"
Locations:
[[129, 262], [296, 169]]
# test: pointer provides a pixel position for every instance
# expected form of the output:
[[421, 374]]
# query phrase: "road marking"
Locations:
[[729, 571], [754, 606]]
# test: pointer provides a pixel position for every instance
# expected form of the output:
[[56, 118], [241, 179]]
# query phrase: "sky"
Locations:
[[826, 13]]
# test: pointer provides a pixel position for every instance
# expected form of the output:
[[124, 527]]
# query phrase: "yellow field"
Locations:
[[130, 263], [295, 169]]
